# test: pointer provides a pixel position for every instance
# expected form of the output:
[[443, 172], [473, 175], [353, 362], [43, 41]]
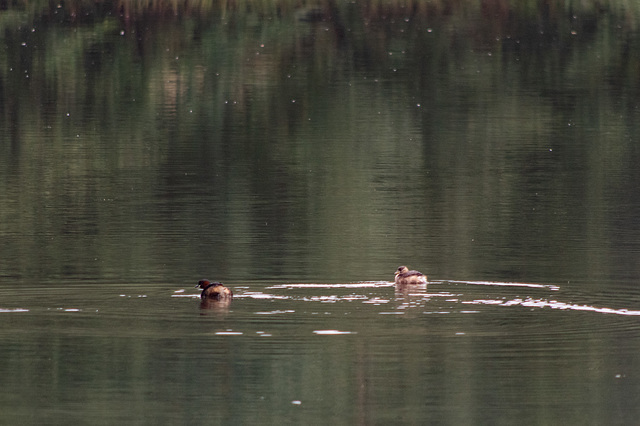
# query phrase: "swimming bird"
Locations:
[[214, 290], [405, 276]]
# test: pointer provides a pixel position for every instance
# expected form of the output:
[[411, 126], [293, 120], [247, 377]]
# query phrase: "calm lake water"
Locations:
[[300, 155]]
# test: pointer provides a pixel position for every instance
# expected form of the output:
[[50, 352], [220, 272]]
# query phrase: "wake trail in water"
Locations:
[[420, 292]]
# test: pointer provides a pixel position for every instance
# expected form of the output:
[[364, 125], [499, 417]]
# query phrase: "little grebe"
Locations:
[[214, 290], [405, 276]]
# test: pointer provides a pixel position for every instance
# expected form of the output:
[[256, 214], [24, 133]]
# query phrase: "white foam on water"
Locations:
[[553, 304], [505, 284], [363, 284]]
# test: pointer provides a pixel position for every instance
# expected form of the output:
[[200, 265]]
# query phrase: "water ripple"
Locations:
[[418, 296], [504, 284], [362, 284], [553, 304]]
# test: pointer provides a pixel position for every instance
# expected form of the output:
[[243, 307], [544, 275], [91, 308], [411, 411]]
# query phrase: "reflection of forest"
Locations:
[[165, 52], [262, 95]]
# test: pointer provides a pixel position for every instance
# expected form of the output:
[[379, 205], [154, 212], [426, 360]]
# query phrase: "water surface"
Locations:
[[300, 156], [449, 352]]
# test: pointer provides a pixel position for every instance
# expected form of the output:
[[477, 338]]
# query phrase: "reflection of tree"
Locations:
[[401, 136]]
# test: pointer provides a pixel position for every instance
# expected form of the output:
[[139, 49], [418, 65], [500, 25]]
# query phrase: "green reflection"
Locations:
[[271, 140]]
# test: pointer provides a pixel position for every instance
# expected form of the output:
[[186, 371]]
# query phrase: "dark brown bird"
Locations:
[[405, 276], [214, 290]]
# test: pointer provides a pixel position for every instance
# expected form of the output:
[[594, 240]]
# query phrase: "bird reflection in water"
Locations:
[[411, 295], [214, 306]]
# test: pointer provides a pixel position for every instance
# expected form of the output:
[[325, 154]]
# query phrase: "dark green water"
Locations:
[[301, 163]]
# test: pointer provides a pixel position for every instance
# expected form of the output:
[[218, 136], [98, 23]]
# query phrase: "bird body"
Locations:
[[214, 290], [404, 276]]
